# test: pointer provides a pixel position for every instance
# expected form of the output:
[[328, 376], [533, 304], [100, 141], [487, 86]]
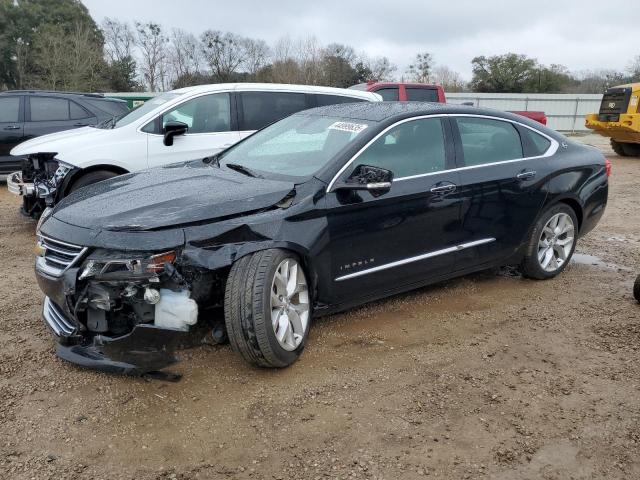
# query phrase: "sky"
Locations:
[[580, 34]]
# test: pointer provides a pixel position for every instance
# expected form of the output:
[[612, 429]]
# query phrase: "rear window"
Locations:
[[421, 94], [49, 109], [9, 109], [537, 144], [108, 106], [389, 94], [324, 100], [259, 109]]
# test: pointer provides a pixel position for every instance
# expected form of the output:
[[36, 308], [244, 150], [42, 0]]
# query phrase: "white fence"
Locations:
[[565, 111]]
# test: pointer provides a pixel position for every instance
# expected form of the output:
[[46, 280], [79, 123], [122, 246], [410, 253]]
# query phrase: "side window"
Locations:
[[76, 112], [324, 100], [259, 109], [9, 109], [487, 141], [389, 94], [534, 144], [206, 114], [411, 148], [422, 94], [49, 109]]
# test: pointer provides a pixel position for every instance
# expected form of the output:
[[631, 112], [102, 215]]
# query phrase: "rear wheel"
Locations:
[[90, 178], [267, 308], [625, 149], [552, 243], [636, 289]]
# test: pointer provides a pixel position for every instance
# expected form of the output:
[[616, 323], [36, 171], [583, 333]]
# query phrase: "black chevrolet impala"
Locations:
[[319, 212]]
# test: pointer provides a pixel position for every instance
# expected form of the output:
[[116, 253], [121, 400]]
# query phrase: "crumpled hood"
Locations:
[[169, 196], [61, 142]]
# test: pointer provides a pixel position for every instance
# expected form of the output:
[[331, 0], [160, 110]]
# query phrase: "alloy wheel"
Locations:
[[289, 304], [556, 242]]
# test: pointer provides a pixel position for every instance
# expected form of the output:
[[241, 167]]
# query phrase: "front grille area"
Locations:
[[58, 256], [57, 319]]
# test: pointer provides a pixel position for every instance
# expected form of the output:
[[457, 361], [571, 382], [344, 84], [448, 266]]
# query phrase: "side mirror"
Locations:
[[173, 128], [366, 177]]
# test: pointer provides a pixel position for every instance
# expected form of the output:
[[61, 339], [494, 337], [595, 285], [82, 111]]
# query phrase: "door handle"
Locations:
[[528, 175], [80, 124], [448, 188], [12, 127]]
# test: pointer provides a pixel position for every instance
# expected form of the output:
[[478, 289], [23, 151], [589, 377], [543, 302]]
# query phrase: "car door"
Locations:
[[210, 130], [405, 236], [501, 176], [258, 109], [49, 115], [11, 131]]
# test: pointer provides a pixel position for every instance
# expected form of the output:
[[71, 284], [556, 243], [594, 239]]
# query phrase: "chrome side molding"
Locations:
[[424, 256]]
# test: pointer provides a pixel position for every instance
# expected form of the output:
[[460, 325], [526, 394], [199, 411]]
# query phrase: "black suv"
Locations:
[[26, 114]]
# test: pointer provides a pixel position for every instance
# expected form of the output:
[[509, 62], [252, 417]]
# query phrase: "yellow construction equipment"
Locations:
[[619, 119]]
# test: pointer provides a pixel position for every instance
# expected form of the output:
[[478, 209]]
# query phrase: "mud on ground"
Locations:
[[486, 376]]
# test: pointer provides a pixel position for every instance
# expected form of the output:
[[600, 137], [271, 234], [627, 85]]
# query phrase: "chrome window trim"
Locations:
[[424, 256], [553, 148]]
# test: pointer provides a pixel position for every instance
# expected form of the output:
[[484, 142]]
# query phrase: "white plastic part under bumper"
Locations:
[[16, 186]]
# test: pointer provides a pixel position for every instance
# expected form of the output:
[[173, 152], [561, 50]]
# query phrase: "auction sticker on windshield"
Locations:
[[347, 127]]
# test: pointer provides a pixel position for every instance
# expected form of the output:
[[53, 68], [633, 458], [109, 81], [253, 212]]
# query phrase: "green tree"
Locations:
[[24, 23], [502, 73], [552, 79]]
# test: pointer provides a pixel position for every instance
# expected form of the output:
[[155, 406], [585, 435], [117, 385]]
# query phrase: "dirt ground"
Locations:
[[488, 376]]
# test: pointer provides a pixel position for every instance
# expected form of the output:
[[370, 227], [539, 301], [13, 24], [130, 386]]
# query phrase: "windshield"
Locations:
[[298, 145], [145, 108]]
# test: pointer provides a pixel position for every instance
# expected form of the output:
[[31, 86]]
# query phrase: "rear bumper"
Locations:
[[16, 186]]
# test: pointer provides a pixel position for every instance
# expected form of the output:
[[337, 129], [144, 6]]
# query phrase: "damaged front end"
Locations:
[[39, 182], [122, 312]]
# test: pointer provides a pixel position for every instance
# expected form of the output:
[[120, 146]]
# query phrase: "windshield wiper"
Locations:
[[242, 169]]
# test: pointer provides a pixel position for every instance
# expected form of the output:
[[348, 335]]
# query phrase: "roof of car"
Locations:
[[278, 87], [381, 111], [97, 96]]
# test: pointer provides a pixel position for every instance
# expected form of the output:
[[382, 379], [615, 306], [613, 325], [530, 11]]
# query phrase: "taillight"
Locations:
[[607, 167]]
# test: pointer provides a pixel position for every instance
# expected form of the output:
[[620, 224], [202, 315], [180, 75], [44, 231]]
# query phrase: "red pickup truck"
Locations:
[[424, 92]]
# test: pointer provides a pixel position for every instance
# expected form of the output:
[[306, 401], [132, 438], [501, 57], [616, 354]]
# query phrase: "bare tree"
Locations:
[[185, 53], [223, 52], [420, 69], [152, 44], [119, 39], [381, 68], [256, 55], [448, 78]]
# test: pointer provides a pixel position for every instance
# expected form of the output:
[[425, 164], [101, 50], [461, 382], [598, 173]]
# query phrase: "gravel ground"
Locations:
[[487, 376]]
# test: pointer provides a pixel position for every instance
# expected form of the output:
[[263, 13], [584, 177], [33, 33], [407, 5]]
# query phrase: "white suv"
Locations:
[[180, 125]]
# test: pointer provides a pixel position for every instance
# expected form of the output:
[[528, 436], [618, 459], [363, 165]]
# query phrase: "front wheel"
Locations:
[[552, 243], [267, 308], [636, 289], [625, 149]]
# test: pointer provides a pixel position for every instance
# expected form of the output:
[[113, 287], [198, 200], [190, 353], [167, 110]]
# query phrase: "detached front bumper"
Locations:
[[17, 186], [145, 349]]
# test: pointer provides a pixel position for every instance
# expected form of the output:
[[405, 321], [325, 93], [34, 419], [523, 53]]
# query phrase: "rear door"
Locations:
[[502, 167], [53, 114], [258, 109], [11, 130], [210, 125]]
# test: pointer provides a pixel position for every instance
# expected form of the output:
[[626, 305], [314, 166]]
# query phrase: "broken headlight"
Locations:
[[135, 266]]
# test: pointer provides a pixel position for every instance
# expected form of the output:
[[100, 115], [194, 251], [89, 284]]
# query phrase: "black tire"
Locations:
[[636, 289], [625, 149], [247, 310], [530, 266], [91, 178]]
